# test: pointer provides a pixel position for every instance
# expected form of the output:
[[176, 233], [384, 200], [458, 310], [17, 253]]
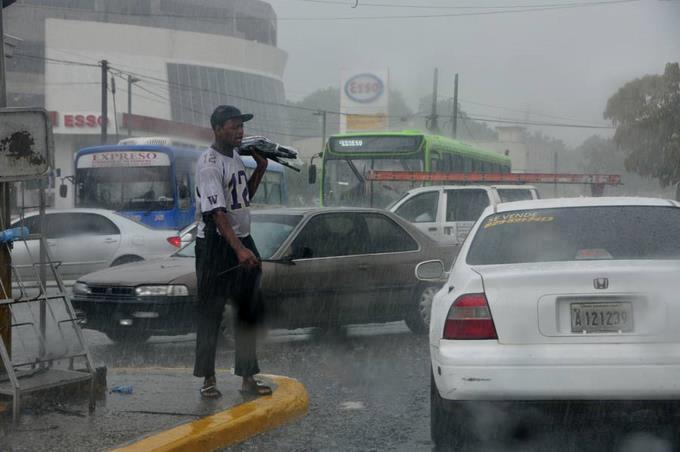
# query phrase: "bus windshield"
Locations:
[[129, 189], [345, 181]]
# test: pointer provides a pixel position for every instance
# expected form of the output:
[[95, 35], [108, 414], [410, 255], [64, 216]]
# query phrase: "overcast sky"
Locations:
[[556, 66]]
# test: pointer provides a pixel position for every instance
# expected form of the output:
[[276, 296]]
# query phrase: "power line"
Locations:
[[533, 113], [160, 82], [222, 19], [465, 124], [71, 83], [56, 61], [542, 124], [87, 57], [167, 101], [151, 79], [392, 5], [465, 14]]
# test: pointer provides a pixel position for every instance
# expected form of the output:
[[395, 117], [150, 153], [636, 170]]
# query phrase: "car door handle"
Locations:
[[432, 229], [110, 241], [362, 266]]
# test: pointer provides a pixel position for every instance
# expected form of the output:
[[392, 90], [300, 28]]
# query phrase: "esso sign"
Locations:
[[82, 121], [364, 88]]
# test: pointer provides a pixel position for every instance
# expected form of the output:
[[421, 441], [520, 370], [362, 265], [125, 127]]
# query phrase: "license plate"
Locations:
[[601, 317]]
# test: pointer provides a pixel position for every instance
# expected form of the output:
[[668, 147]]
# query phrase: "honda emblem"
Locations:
[[601, 283]]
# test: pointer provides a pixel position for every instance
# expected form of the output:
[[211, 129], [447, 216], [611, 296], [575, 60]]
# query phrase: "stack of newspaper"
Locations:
[[267, 148]]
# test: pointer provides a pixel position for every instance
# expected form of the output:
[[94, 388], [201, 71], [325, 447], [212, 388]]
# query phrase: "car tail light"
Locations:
[[175, 241], [470, 318]]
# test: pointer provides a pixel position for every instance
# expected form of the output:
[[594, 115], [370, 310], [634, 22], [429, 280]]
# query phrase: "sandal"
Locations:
[[210, 392], [257, 388]]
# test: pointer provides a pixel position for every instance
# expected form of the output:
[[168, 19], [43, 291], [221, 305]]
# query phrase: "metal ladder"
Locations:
[[41, 323]]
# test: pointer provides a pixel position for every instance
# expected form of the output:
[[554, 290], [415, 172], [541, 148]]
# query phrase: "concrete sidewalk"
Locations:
[[164, 412]]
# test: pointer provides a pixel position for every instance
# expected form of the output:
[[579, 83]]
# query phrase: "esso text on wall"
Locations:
[[78, 120]]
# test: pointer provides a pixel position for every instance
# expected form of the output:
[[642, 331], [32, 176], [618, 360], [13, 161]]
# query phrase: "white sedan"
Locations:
[[87, 240], [556, 300]]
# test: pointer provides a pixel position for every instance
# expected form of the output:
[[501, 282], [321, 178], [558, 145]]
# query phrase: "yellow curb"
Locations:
[[289, 400]]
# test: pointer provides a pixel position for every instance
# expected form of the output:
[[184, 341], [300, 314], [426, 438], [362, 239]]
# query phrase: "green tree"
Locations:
[[646, 113], [601, 155]]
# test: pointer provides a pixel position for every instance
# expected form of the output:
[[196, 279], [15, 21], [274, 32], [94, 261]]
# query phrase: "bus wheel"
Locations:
[[126, 260], [418, 320]]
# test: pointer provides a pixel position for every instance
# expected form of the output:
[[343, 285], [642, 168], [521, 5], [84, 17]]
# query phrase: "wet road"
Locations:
[[369, 390], [368, 387]]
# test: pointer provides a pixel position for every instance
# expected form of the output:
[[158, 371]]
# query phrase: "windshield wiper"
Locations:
[[356, 171]]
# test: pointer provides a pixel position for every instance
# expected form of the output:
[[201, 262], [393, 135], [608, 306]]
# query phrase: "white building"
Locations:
[[183, 57]]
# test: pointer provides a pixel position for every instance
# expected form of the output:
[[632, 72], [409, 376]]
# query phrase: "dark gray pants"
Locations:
[[214, 255]]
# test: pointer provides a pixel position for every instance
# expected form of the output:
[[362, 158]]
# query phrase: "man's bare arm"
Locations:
[[245, 256]]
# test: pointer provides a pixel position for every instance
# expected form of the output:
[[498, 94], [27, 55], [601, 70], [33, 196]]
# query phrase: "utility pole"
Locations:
[[115, 111], [454, 121], [130, 81], [323, 128], [105, 98], [555, 171], [322, 113], [3, 88], [434, 126], [5, 256]]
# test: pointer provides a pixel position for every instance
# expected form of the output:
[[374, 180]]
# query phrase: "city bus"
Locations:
[[154, 183], [349, 157]]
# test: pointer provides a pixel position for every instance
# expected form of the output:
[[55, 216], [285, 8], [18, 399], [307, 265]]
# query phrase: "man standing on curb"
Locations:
[[227, 262]]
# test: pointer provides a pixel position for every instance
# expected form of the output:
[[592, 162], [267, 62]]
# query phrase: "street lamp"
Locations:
[[130, 81]]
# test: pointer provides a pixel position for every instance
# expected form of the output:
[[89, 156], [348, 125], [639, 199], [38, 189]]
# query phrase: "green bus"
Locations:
[[349, 157]]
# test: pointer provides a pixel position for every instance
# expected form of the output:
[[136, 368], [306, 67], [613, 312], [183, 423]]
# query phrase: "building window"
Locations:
[[195, 91], [74, 4], [128, 7]]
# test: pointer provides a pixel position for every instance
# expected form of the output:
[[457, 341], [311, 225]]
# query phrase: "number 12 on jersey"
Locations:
[[236, 183]]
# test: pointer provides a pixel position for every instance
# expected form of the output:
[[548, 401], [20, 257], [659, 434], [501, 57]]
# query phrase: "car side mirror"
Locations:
[[63, 190], [431, 271], [307, 252], [312, 174]]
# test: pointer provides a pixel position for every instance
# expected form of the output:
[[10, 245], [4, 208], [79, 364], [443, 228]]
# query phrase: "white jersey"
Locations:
[[222, 184]]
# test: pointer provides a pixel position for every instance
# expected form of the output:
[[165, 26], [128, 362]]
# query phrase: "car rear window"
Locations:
[[577, 233], [514, 194]]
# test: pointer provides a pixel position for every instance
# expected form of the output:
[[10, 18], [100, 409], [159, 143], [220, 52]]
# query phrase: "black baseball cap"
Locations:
[[224, 113]]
